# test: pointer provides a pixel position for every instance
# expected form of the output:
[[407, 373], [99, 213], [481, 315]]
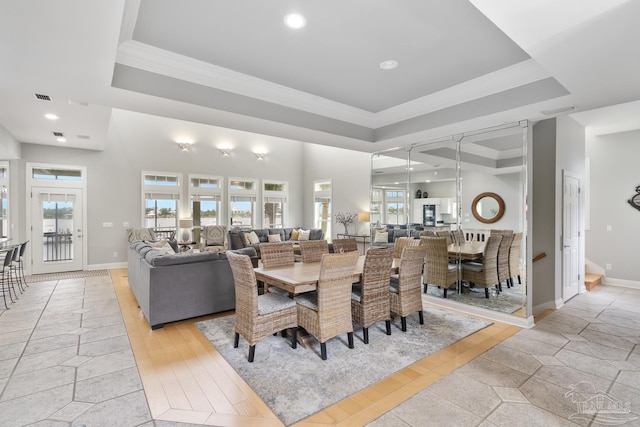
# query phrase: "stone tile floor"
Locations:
[[556, 374], [66, 360]]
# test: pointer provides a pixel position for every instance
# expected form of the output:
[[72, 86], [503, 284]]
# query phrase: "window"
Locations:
[[322, 205], [161, 200], [376, 206], [57, 174], [205, 196], [274, 203], [243, 195], [395, 207], [4, 199]]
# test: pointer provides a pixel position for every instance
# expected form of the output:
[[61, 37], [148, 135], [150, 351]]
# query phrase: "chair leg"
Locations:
[[403, 322], [519, 281], [252, 352], [387, 323], [365, 333], [236, 339], [421, 316], [323, 350], [486, 292], [425, 288], [445, 292], [294, 339], [350, 339]]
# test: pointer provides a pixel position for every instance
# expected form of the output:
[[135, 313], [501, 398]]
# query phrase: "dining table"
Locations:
[[468, 251], [301, 277]]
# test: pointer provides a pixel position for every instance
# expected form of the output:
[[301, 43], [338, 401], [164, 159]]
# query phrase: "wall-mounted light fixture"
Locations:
[[184, 144], [226, 152], [260, 155]]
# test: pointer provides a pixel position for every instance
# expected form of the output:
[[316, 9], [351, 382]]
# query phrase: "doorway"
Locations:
[[570, 235]]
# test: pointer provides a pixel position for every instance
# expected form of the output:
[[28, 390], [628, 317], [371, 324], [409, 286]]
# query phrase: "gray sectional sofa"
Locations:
[[172, 287], [235, 239]]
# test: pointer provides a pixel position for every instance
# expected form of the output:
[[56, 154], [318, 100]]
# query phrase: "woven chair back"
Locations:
[[436, 263], [514, 255], [345, 245], [401, 242], [277, 254], [312, 250], [334, 284], [246, 286]]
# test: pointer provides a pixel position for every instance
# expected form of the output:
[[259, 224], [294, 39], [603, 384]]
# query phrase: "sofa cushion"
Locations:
[[236, 240], [279, 231], [400, 232], [316, 234], [159, 258], [381, 237], [304, 235], [262, 234], [274, 238], [253, 238]]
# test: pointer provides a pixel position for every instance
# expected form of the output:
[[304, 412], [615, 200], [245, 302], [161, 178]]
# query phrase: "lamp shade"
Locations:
[[363, 217], [186, 223]]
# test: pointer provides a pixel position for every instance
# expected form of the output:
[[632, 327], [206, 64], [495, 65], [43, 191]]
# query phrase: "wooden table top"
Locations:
[[303, 276], [467, 250]]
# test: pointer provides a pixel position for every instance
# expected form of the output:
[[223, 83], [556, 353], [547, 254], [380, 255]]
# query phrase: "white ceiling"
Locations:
[[203, 65]]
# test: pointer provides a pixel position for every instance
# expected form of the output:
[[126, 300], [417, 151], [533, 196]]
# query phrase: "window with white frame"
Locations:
[[161, 200], [4, 199], [377, 199], [243, 196], [322, 205], [395, 206], [206, 195], [274, 203]]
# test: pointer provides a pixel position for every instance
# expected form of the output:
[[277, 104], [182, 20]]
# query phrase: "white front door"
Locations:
[[57, 237], [570, 236]]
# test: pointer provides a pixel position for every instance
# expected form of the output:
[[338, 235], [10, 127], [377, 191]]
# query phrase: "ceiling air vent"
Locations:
[[83, 136], [58, 134], [42, 97]]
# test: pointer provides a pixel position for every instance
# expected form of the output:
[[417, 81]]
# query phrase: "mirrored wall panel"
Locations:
[[469, 190]]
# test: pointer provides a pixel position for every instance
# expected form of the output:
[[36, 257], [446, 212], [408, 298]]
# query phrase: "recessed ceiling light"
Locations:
[[51, 116], [61, 139], [389, 64], [295, 21]]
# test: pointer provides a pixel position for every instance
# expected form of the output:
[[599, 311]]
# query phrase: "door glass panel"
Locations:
[[57, 226]]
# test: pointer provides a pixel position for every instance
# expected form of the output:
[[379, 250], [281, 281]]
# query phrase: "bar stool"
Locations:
[[18, 266], [5, 280]]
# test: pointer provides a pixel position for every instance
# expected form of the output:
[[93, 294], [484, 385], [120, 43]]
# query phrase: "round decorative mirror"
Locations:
[[487, 207]]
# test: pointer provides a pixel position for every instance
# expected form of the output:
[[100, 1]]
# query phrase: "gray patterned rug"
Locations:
[[298, 383], [510, 300], [65, 275]]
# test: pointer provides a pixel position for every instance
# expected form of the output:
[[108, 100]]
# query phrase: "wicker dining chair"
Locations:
[[503, 256], [370, 297], [405, 296], [401, 242], [438, 270], [312, 250], [484, 273], [326, 313], [446, 234], [277, 254], [258, 316], [514, 258], [345, 245]]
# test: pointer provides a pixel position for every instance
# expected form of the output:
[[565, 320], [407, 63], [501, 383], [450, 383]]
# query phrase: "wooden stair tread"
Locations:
[[591, 280]]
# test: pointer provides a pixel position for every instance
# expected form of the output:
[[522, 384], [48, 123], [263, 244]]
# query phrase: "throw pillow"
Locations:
[[158, 244], [294, 234], [304, 234], [245, 239], [273, 238], [381, 237], [253, 238], [167, 248]]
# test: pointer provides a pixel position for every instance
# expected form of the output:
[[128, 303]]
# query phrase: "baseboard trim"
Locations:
[[108, 266], [549, 305], [496, 316], [634, 284]]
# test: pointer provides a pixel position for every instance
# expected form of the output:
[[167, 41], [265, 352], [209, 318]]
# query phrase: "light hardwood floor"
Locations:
[[187, 380]]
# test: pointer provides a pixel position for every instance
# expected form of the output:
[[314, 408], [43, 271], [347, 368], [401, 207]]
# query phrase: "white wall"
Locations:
[[9, 146], [114, 178], [614, 177], [350, 174]]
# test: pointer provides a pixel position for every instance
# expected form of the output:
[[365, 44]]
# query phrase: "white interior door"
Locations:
[[57, 237], [570, 236]]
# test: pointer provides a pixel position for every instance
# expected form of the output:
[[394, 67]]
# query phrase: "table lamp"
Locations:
[[186, 224], [364, 217]]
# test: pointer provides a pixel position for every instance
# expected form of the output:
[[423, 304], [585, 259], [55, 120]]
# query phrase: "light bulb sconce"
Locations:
[[226, 152]]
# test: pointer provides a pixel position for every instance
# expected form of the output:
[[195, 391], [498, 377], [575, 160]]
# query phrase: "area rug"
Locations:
[[510, 300], [298, 383], [65, 275]]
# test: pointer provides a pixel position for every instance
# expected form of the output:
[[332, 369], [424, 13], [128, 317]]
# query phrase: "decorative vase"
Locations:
[[346, 228]]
